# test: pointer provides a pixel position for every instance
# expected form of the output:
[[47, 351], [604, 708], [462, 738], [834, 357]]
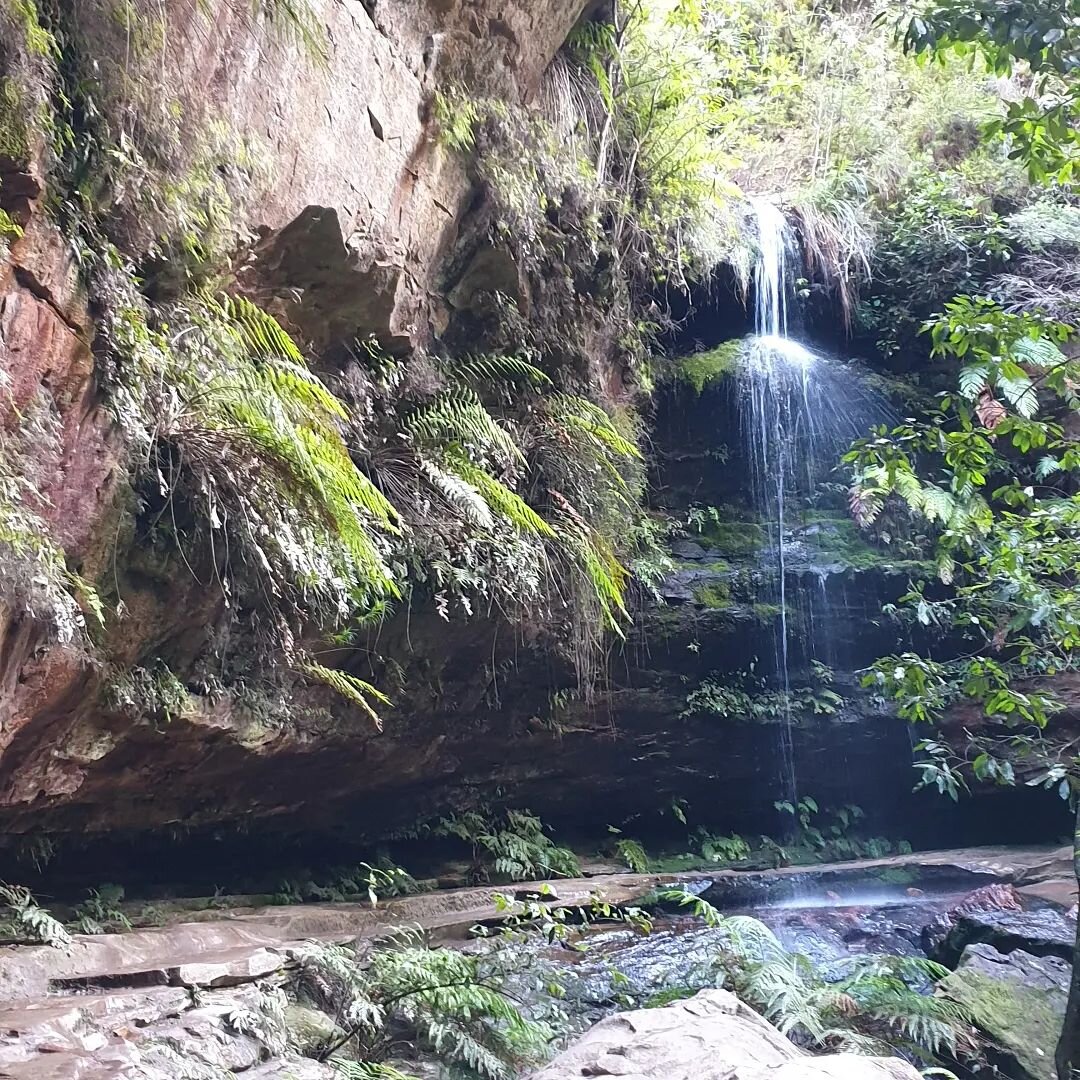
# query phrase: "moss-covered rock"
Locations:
[[713, 594], [1023, 1022], [704, 368], [733, 539], [310, 1030]]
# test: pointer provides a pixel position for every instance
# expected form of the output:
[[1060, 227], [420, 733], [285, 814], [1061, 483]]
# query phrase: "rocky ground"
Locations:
[[188, 999]]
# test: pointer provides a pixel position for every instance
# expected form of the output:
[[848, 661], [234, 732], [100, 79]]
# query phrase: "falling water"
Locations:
[[799, 411], [775, 383]]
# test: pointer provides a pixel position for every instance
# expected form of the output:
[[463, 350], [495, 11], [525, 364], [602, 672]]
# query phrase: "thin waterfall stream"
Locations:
[[798, 412]]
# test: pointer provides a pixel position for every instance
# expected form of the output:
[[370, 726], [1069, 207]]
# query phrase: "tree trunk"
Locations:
[[1067, 1057]]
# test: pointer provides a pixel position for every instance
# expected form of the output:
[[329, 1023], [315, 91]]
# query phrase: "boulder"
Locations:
[[310, 1030], [996, 897], [1017, 1000], [1045, 932], [711, 1036]]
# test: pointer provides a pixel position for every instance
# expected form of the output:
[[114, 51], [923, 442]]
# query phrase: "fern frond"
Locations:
[[461, 495], [478, 370], [583, 415], [502, 501], [458, 416], [348, 686]]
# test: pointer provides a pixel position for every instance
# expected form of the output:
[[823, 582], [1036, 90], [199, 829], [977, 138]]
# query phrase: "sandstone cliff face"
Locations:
[[354, 209]]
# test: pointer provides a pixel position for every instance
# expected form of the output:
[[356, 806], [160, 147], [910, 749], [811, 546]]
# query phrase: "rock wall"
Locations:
[[350, 220]]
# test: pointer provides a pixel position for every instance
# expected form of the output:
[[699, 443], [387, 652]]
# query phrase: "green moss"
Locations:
[[713, 594], [1024, 1021], [897, 875], [14, 135], [9, 229], [766, 613], [733, 538], [37, 39], [839, 537], [704, 368]]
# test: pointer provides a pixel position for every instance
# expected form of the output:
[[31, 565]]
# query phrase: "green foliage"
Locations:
[[154, 694], [348, 883], [936, 238], [705, 368], [234, 421], [871, 1008], [352, 689], [101, 913], [457, 116], [633, 854], [14, 136], [748, 699], [34, 573], [9, 229], [726, 849], [451, 1002], [1040, 39], [516, 846], [26, 921]]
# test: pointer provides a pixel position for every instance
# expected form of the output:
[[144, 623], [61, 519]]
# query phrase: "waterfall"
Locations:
[[777, 418], [798, 412]]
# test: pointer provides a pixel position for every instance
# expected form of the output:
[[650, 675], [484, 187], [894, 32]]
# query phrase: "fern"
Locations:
[[481, 371], [347, 686], [234, 418], [459, 416], [499, 498], [461, 495], [585, 416], [452, 1002], [367, 1070], [29, 921], [634, 855]]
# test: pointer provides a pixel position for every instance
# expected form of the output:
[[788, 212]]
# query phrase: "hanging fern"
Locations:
[[482, 371], [458, 416], [499, 498], [348, 686], [237, 421]]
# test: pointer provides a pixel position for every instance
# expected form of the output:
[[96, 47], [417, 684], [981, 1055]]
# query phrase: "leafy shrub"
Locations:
[[101, 913], [871, 1005], [26, 921], [515, 846], [633, 854], [449, 1001]]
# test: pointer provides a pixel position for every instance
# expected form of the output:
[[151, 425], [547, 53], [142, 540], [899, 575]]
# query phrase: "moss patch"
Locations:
[[733, 538], [713, 594], [666, 997], [1024, 1021], [839, 537], [704, 368], [14, 136]]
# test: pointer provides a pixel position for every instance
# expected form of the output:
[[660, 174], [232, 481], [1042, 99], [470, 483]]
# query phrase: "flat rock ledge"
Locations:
[[711, 1036]]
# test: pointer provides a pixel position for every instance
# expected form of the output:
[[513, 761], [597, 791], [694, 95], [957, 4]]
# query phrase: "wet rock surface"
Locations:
[[1040, 932]]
